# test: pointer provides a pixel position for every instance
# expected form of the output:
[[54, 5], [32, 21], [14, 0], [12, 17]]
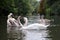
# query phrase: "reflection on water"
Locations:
[[37, 35], [30, 34]]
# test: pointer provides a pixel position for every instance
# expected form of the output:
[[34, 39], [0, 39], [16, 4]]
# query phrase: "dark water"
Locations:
[[3, 35], [51, 33], [55, 29]]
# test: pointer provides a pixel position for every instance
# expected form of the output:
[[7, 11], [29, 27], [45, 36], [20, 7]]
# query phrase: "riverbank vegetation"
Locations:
[[29, 7]]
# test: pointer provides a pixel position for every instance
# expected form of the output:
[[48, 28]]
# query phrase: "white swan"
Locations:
[[35, 26], [12, 23]]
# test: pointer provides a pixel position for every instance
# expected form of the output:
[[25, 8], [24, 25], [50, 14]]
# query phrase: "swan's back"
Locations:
[[35, 26]]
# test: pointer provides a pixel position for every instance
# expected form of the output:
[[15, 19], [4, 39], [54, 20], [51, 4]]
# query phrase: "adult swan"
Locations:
[[34, 25], [12, 23]]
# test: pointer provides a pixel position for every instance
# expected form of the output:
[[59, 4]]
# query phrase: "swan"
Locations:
[[34, 25], [12, 23]]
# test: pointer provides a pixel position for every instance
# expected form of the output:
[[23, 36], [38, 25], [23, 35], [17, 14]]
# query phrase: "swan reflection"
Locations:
[[37, 35]]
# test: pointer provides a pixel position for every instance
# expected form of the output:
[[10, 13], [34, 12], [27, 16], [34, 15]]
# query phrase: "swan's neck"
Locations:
[[19, 21], [26, 21]]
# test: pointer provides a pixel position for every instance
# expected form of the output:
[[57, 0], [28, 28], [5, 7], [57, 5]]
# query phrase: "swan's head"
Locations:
[[10, 15], [22, 20], [42, 17]]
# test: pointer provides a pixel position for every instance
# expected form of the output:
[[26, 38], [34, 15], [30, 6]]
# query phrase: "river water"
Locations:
[[51, 33]]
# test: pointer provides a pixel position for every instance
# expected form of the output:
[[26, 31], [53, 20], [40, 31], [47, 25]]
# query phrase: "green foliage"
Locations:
[[56, 7], [19, 6], [52, 7], [26, 7]]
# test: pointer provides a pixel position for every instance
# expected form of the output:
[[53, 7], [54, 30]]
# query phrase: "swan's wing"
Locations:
[[13, 22], [9, 23], [35, 26], [38, 25], [31, 26]]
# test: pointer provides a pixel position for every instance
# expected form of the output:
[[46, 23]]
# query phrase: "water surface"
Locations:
[[51, 33]]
